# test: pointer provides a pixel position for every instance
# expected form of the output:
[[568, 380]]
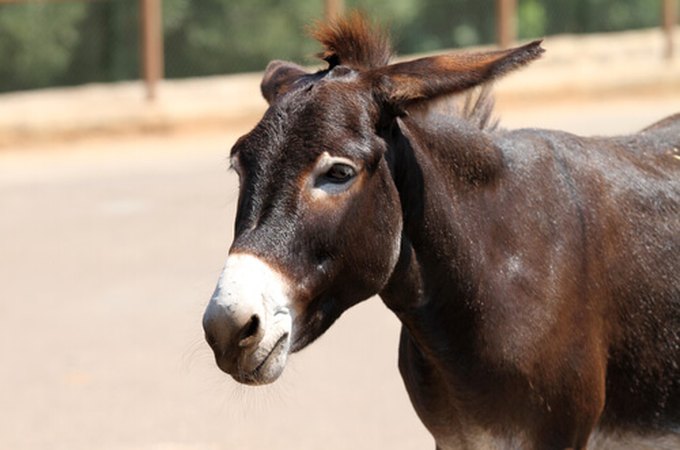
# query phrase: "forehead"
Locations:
[[332, 116]]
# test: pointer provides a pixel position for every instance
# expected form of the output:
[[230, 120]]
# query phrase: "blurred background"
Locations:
[[116, 205], [74, 42]]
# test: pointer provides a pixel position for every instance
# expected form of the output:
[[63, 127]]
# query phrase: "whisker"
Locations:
[[197, 350]]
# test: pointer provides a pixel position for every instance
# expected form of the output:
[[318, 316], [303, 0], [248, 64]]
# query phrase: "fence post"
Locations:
[[506, 22], [333, 8], [669, 18], [152, 45]]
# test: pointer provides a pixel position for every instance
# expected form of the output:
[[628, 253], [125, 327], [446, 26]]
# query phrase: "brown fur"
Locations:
[[534, 271], [354, 42]]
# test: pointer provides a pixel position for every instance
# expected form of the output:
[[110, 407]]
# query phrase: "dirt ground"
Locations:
[[110, 251]]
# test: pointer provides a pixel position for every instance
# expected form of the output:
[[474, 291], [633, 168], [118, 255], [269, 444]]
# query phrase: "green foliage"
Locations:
[[59, 43], [37, 43], [109, 46], [447, 23], [218, 36], [587, 16], [533, 20]]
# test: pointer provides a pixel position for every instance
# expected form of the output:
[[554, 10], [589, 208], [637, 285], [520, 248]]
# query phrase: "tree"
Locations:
[[37, 43], [71, 43]]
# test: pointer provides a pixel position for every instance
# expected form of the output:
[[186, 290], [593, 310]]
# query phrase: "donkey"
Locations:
[[536, 273]]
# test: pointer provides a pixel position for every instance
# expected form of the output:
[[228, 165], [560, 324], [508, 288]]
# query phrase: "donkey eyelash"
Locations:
[[326, 161]]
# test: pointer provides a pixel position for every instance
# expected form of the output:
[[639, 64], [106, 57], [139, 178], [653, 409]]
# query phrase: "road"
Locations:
[[110, 250]]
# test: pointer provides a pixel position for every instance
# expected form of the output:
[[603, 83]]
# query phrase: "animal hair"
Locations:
[[475, 106], [353, 41], [478, 108], [360, 44]]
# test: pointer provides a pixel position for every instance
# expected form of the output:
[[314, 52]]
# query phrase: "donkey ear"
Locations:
[[278, 78], [404, 84]]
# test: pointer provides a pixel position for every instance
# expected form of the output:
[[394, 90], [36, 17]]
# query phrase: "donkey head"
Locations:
[[319, 220]]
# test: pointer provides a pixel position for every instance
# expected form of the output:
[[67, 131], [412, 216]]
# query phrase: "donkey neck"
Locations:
[[458, 151], [437, 166]]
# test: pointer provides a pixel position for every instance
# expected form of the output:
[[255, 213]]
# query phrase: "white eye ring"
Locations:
[[322, 183]]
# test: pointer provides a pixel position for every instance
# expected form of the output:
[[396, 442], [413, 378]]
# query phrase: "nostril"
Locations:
[[251, 327], [250, 333]]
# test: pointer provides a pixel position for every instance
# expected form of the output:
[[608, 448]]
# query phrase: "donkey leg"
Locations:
[[576, 408], [574, 422]]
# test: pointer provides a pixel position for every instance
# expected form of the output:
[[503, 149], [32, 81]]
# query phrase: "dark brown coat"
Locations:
[[536, 273]]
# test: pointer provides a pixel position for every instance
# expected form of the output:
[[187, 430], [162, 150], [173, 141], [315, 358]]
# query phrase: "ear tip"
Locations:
[[277, 78], [273, 65], [527, 52], [536, 47]]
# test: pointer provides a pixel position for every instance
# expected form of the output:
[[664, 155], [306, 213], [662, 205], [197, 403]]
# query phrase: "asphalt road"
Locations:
[[109, 251]]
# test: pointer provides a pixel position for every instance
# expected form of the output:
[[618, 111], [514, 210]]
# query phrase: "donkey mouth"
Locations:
[[311, 326], [269, 367]]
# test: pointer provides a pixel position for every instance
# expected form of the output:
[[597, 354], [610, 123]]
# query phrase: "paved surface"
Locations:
[[110, 250]]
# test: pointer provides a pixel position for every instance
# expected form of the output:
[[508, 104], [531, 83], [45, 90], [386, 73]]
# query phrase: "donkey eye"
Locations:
[[332, 175], [340, 173]]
